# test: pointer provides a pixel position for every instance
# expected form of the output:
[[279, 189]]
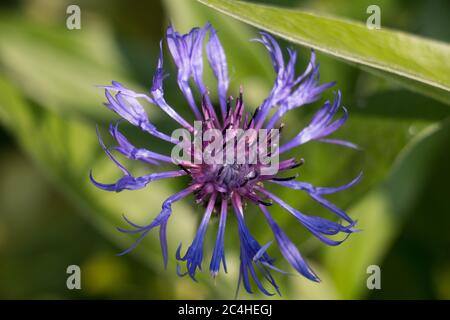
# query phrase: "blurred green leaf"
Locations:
[[400, 104], [381, 212], [59, 68], [418, 63]]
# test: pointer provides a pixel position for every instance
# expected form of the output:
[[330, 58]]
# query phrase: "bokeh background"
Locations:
[[52, 217]]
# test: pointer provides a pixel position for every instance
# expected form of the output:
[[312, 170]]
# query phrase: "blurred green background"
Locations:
[[52, 217]]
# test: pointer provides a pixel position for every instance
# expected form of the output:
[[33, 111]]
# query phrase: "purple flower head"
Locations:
[[224, 188]]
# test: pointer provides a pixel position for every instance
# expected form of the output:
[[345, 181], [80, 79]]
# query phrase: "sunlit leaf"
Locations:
[[420, 64]]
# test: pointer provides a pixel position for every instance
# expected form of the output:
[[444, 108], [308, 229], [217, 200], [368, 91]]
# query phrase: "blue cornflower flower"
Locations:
[[225, 188]]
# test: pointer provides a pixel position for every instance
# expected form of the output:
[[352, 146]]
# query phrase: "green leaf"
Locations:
[[381, 212], [59, 69], [407, 106], [418, 63]]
